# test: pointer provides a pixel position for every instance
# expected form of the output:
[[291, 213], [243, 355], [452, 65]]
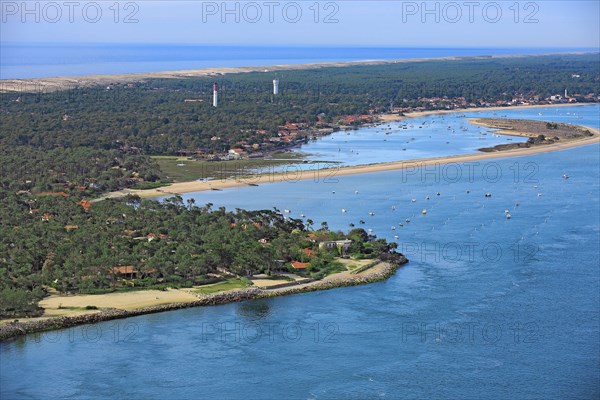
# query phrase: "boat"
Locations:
[[286, 211], [424, 212], [371, 213], [393, 228], [427, 198], [396, 237], [413, 200], [343, 210], [407, 220], [488, 194], [400, 224], [361, 221], [508, 216], [565, 176]]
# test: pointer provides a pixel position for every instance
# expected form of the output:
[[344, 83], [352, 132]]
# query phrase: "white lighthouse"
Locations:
[[275, 87], [215, 94]]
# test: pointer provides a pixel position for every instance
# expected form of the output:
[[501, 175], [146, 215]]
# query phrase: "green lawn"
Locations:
[[193, 170], [230, 284]]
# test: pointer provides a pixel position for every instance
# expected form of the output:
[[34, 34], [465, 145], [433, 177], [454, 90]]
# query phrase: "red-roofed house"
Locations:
[[236, 153], [299, 265], [85, 204], [127, 271], [62, 194]]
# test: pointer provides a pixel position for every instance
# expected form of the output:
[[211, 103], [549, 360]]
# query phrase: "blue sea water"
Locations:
[[46, 60], [431, 136], [487, 308]]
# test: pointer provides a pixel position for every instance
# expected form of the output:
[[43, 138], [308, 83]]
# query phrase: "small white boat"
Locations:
[[413, 200], [356, 192], [427, 198], [396, 237], [508, 216], [393, 228], [286, 211], [539, 195], [343, 210], [407, 220], [302, 215], [565, 176], [371, 213], [424, 212]]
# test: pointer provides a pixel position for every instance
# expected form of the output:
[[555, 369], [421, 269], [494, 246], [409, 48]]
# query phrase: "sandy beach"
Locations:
[[47, 85], [72, 308], [299, 172], [417, 114]]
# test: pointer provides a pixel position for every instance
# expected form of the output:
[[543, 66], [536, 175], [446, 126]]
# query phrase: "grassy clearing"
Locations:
[[151, 185], [352, 264], [72, 308], [197, 169], [230, 284]]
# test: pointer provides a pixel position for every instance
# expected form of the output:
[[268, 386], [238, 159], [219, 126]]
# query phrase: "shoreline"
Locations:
[[376, 273], [50, 84], [298, 174]]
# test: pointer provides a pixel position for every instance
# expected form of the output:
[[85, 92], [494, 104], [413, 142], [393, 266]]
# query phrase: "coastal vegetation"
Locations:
[[101, 137], [59, 151], [49, 241]]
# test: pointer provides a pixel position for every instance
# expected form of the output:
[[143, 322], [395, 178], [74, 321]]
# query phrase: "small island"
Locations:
[[540, 133]]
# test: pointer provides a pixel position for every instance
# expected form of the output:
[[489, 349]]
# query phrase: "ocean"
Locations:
[[487, 308], [49, 60]]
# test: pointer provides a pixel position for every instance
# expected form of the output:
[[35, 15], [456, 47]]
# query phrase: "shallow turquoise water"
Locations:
[[431, 136], [487, 308]]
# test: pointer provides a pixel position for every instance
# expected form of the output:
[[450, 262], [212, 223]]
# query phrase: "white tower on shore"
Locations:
[[566, 93], [215, 94], [275, 87]]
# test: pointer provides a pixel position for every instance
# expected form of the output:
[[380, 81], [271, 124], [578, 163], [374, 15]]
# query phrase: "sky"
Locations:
[[483, 24]]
